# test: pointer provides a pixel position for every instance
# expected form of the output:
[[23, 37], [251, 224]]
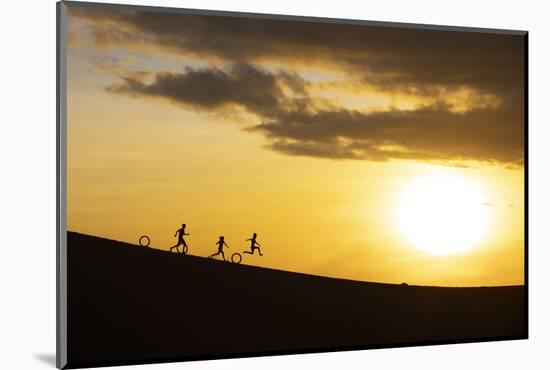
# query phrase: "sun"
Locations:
[[443, 214]]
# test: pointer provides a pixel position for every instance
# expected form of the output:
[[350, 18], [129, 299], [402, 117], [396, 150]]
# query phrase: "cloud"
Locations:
[[295, 127], [260, 92], [470, 84], [391, 58], [432, 133], [122, 68]]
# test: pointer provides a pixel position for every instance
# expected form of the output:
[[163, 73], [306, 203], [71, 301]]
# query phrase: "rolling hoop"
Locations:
[[236, 258], [144, 241]]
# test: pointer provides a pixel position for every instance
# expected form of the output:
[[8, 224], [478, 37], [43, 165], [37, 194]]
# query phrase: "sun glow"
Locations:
[[443, 214]]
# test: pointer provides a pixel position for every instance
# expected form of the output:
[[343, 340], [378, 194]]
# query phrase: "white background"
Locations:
[[27, 196]]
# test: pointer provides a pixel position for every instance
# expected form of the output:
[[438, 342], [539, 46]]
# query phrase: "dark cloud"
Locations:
[[258, 91], [432, 133], [388, 57], [421, 62]]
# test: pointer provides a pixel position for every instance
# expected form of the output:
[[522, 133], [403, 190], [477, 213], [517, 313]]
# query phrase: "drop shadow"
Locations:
[[47, 358]]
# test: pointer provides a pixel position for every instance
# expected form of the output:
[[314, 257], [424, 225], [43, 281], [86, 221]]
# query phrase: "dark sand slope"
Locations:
[[128, 302]]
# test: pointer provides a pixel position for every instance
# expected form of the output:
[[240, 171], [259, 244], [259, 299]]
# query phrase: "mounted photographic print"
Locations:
[[234, 185]]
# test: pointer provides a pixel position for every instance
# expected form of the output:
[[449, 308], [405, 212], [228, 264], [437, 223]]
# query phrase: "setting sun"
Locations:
[[443, 214]]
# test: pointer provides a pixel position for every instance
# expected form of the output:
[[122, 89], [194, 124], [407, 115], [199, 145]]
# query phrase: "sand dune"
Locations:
[[131, 303]]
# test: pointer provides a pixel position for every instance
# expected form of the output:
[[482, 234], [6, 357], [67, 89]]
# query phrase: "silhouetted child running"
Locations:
[[253, 245], [180, 233], [220, 243]]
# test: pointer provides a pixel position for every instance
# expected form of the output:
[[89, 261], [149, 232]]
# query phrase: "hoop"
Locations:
[[144, 241], [236, 258]]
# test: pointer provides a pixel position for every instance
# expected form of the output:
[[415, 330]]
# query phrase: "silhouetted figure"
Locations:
[[180, 233], [253, 245], [220, 243]]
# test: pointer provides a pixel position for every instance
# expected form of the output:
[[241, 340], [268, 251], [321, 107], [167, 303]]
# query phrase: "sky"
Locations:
[[308, 133]]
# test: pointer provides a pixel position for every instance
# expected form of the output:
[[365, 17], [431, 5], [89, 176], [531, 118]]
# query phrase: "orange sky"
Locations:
[[306, 133]]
